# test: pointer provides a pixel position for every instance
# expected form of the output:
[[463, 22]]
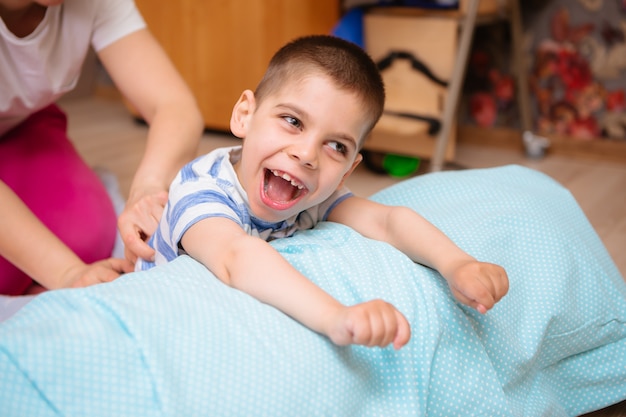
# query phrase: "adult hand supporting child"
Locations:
[[139, 221], [48, 260]]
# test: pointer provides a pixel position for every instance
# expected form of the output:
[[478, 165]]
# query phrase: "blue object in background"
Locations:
[[350, 27]]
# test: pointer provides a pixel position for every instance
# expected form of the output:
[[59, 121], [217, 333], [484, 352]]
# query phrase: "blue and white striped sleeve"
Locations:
[[194, 197]]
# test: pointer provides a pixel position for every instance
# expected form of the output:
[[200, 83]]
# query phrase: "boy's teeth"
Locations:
[[286, 177]]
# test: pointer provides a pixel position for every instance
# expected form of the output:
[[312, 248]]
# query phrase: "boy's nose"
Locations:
[[304, 152]]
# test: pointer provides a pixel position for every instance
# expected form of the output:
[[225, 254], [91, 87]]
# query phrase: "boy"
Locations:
[[302, 130]]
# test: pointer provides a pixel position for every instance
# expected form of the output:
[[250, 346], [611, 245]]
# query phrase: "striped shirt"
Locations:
[[208, 187]]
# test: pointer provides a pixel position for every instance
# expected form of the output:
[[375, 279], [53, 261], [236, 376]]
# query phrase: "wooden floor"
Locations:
[[107, 136]]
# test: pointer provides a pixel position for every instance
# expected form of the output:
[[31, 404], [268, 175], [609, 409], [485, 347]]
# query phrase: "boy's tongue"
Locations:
[[279, 189]]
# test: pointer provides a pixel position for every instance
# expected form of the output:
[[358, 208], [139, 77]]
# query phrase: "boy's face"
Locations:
[[300, 144]]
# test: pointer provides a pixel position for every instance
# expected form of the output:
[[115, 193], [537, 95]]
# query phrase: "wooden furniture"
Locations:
[[223, 47], [391, 136], [408, 48]]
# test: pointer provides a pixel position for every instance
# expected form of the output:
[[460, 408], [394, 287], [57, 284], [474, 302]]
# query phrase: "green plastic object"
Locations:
[[399, 165]]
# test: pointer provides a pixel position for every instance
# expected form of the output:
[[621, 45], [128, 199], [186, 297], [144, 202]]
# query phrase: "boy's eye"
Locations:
[[292, 121], [338, 147]]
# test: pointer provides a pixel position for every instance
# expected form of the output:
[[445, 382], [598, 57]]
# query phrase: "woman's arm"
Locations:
[[33, 248], [252, 265], [477, 284], [144, 74]]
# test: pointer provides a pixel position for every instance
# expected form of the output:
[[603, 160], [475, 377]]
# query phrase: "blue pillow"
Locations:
[[176, 341]]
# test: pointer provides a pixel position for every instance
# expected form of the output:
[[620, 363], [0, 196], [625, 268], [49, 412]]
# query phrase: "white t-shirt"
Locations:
[[38, 69]]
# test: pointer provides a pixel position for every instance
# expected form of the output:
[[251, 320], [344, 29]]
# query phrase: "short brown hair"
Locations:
[[347, 64]]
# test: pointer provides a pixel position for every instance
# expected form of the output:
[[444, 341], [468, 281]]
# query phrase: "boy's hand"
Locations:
[[479, 284], [373, 323]]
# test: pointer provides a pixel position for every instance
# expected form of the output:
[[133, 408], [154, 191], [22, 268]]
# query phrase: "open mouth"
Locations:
[[280, 190]]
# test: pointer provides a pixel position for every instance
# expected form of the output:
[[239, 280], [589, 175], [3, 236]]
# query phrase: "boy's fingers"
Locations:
[[403, 334], [481, 309], [482, 306], [377, 323], [392, 324], [503, 286], [498, 282]]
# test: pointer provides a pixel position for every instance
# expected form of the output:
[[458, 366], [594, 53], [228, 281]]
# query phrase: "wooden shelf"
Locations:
[[597, 150]]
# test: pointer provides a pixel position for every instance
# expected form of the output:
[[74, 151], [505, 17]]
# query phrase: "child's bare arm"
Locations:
[[252, 265], [477, 284]]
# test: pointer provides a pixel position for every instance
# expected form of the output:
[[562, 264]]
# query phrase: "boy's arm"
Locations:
[[252, 265], [477, 284]]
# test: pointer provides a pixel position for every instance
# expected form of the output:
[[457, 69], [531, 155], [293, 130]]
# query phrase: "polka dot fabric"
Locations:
[[174, 341]]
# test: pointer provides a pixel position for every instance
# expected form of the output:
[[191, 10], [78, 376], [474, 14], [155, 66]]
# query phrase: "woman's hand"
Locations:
[[139, 221], [98, 272]]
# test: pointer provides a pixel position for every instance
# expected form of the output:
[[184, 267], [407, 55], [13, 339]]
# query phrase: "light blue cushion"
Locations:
[[174, 341]]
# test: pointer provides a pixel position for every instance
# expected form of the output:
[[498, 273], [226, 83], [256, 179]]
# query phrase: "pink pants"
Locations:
[[39, 163]]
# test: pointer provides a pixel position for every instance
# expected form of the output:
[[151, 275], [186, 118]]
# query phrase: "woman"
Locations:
[[57, 222]]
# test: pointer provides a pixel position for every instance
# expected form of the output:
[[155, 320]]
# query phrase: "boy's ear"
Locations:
[[356, 162], [242, 113]]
